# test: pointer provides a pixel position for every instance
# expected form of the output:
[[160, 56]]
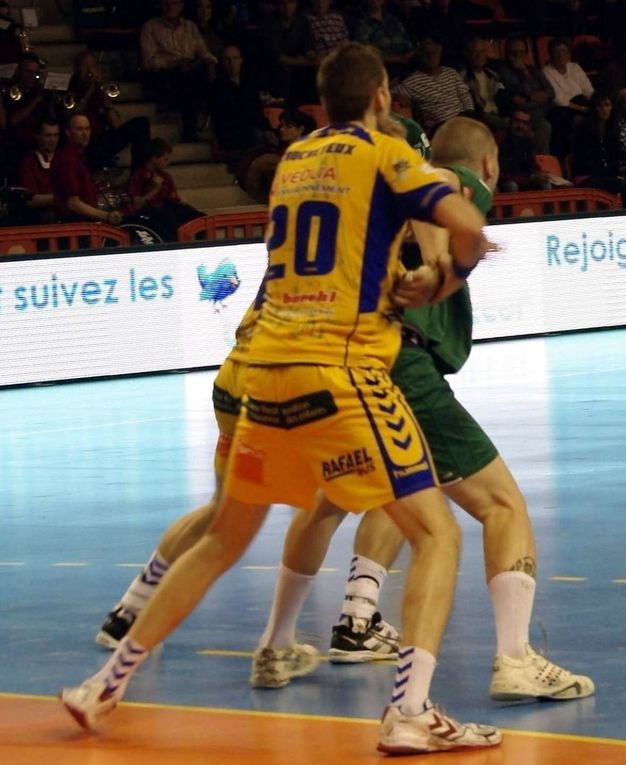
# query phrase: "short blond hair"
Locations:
[[462, 141]]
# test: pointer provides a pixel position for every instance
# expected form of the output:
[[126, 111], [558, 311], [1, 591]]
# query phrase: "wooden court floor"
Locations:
[[34, 731], [92, 473]]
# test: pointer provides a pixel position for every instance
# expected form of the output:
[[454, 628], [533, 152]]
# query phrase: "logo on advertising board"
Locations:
[[219, 284]]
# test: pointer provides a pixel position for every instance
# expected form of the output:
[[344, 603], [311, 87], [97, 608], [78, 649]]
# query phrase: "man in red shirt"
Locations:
[[34, 174], [75, 196]]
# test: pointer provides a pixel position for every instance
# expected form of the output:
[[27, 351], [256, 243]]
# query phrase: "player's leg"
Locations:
[[493, 498], [263, 471], [377, 456], [184, 585], [361, 633], [279, 657], [412, 724], [185, 531], [476, 478], [176, 540]]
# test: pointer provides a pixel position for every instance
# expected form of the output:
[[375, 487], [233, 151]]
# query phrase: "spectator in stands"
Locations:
[[177, 63], [386, 32], [288, 54], [153, 193], [75, 195], [596, 156], [572, 94], [27, 104], [436, 93], [612, 77], [440, 18], [35, 175], [10, 43], [235, 106], [213, 41], [109, 135], [572, 88], [484, 84], [327, 27], [527, 88], [519, 170], [256, 169], [621, 130], [561, 17]]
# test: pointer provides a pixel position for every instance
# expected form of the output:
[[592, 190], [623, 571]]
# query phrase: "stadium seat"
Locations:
[[549, 164]]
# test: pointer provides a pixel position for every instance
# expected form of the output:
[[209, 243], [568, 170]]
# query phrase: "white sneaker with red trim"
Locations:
[[431, 731]]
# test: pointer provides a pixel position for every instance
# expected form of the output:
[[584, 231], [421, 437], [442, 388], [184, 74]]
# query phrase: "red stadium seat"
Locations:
[[540, 204], [59, 237]]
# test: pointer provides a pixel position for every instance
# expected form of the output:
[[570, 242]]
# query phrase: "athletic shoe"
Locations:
[[379, 641], [88, 702], [117, 624], [431, 731], [275, 668], [534, 677]]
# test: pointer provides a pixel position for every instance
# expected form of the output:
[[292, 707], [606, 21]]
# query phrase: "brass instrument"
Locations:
[[111, 90], [16, 93]]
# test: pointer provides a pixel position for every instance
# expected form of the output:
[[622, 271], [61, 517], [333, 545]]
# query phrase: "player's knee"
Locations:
[[500, 506]]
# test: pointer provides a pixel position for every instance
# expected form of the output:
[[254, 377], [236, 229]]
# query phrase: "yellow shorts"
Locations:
[[348, 432], [227, 394]]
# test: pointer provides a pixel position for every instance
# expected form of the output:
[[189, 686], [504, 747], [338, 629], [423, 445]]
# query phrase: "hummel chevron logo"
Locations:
[[396, 426], [450, 729], [380, 394], [403, 444], [388, 408]]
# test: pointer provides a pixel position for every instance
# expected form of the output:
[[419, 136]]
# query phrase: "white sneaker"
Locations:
[[275, 668], [88, 702], [534, 677], [431, 731]]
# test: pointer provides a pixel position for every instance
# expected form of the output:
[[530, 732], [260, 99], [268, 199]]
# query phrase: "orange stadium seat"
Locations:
[[549, 164]]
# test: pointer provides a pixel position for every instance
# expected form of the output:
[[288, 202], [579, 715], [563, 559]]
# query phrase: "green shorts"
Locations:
[[458, 445]]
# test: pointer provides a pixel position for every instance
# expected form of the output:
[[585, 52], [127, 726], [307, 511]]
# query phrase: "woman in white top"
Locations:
[[572, 87]]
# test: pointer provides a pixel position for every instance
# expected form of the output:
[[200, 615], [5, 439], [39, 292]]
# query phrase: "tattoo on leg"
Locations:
[[528, 565]]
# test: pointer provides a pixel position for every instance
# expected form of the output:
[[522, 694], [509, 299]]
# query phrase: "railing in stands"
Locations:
[[59, 237], [236, 225], [527, 204]]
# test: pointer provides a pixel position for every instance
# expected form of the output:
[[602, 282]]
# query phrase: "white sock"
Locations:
[[512, 594], [363, 588], [414, 674], [289, 596], [141, 589], [119, 668]]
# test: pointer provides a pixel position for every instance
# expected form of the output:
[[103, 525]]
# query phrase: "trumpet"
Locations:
[[16, 92], [111, 90]]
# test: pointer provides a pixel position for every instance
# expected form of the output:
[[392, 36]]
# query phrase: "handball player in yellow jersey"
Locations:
[[320, 411]]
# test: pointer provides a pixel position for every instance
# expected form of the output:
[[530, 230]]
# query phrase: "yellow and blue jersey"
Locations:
[[339, 203]]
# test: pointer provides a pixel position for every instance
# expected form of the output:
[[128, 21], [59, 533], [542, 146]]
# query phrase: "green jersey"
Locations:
[[447, 327], [415, 135]]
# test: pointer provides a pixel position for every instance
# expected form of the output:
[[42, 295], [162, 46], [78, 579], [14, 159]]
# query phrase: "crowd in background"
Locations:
[[227, 60]]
